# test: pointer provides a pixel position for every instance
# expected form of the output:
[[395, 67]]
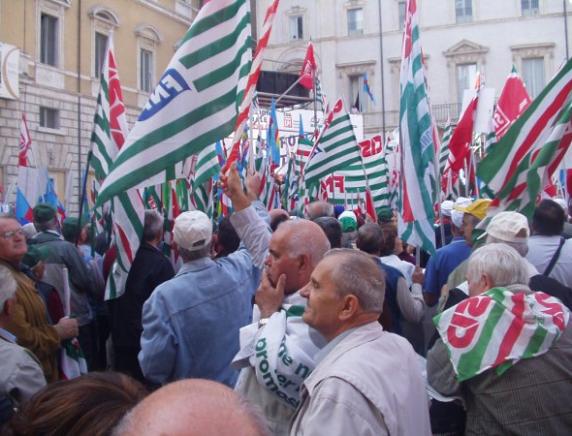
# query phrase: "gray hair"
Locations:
[[7, 286], [502, 263], [153, 225], [520, 246], [305, 238], [189, 256], [356, 273], [319, 209]]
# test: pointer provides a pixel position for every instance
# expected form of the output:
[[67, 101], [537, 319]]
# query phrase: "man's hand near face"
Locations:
[[269, 297]]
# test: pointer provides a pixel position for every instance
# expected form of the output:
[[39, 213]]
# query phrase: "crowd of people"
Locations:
[[275, 324]]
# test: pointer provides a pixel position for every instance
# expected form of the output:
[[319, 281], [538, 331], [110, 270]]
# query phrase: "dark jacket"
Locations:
[[150, 268], [553, 287]]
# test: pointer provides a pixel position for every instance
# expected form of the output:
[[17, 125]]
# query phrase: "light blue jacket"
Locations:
[[191, 323]]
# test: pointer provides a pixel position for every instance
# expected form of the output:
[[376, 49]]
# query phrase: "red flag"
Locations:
[[25, 143], [513, 100], [308, 68], [369, 206], [462, 137]]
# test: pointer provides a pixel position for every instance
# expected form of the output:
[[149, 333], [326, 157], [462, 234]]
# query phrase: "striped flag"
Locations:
[[418, 178], [195, 103], [517, 166], [336, 148], [349, 182], [250, 90], [444, 151], [498, 328], [107, 139], [25, 143]]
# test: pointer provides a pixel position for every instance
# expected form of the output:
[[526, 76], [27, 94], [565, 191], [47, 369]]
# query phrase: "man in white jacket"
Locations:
[[366, 380], [277, 350]]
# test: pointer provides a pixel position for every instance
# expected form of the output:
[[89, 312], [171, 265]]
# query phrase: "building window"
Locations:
[[355, 21], [529, 7], [146, 70], [401, 7], [100, 49], [49, 118], [49, 40], [357, 99], [533, 75], [296, 27], [464, 10], [466, 75]]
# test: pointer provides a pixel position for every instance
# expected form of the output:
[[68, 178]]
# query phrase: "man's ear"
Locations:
[[488, 282], [8, 308], [350, 307]]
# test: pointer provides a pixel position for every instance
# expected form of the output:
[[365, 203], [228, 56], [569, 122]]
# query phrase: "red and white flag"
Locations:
[[25, 143], [309, 68], [462, 137], [513, 101]]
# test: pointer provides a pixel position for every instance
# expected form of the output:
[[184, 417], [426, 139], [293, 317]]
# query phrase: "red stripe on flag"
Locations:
[[125, 243], [514, 330], [537, 129]]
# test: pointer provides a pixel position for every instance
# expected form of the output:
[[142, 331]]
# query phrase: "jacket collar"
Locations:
[[196, 265], [356, 337]]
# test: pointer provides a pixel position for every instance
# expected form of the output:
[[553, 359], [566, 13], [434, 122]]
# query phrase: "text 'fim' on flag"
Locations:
[[418, 178], [195, 103], [523, 161], [336, 148]]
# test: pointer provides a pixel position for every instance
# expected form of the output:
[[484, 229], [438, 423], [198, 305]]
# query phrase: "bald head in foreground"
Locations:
[[192, 407]]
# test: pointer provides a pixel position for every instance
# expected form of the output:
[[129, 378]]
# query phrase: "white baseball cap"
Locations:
[[193, 230], [509, 227], [447, 207]]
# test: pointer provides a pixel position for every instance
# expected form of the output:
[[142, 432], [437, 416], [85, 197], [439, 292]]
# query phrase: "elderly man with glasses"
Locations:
[[29, 323]]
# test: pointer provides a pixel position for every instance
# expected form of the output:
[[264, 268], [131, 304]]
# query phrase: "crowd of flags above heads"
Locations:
[[171, 158]]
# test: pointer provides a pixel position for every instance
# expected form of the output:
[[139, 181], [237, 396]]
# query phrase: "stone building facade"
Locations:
[[459, 38], [61, 44]]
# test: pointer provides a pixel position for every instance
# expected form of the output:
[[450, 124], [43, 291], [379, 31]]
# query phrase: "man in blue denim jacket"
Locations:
[[191, 323]]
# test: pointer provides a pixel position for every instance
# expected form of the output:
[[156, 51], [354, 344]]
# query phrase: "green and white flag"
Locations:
[[336, 148], [498, 328], [107, 139], [444, 150], [517, 167], [195, 102], [343, 186], [418, 178]]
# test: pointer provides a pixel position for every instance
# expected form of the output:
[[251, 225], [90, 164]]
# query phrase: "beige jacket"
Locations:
[[369, 384]]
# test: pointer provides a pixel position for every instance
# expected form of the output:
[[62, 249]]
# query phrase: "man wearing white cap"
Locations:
[[191, 322]]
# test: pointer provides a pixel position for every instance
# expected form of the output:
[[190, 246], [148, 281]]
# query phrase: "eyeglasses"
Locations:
[[11, 234]]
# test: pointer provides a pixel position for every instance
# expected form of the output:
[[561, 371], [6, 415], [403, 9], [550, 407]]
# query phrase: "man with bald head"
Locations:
[[278, 348], [318, 209], [366, 380], [192, 407]]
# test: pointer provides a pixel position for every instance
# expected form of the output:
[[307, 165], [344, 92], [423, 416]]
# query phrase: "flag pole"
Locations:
[[83, 193], [288, 90]]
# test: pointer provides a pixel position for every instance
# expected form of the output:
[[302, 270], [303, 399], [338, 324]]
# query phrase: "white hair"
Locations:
[[305, 238], [153, 225], [356, 273], [520, 246], [500, 262], [7, 286]]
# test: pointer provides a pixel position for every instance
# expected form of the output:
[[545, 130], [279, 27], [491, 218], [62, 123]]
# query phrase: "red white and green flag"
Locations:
[[195, 103], [518, 166], [498, 328], [418, 178], [108, 137]]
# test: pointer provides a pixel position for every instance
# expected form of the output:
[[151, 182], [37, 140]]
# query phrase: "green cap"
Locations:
[[43, 213], [71, 228], [34, 255], [385, 213]]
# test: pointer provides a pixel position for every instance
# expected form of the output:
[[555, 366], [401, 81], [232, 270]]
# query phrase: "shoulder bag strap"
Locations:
[[554, 259]]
